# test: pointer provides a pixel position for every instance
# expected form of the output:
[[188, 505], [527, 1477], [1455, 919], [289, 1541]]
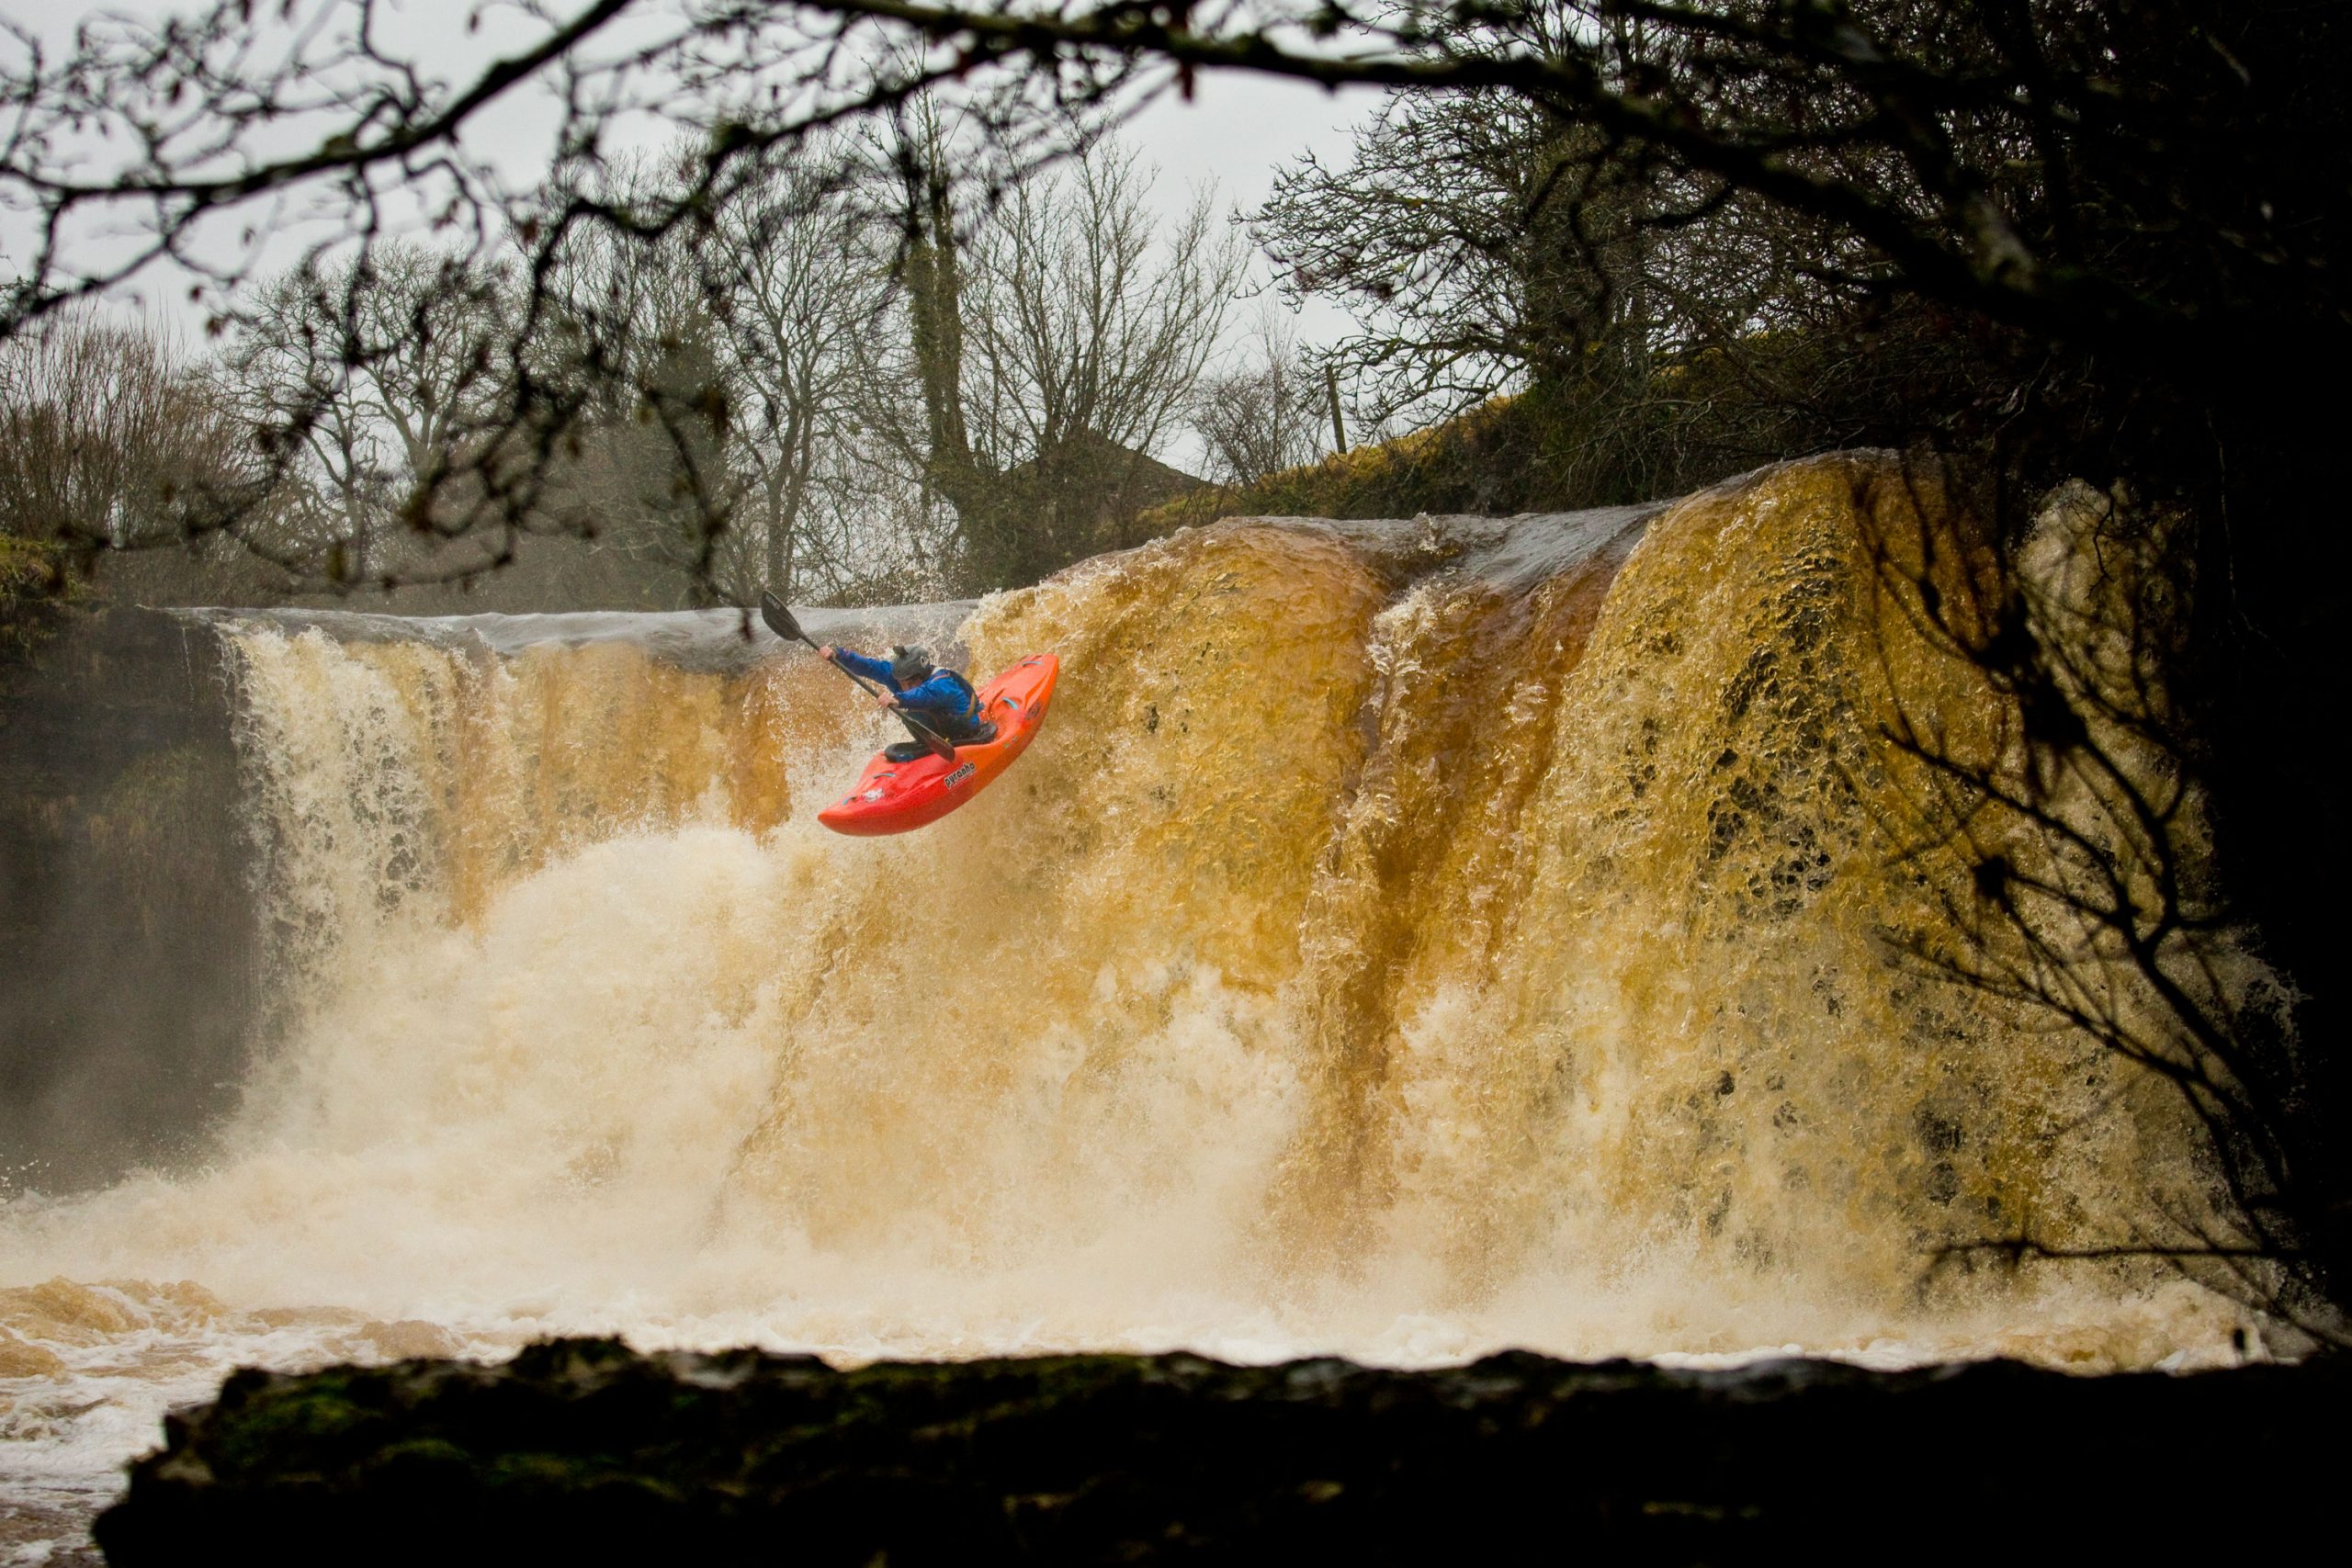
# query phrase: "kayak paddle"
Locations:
[[780, 621]]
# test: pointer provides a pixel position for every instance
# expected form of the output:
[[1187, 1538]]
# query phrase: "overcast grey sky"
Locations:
[[1237, 132]]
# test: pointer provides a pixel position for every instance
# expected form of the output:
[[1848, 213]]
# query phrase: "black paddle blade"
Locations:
[[779, 618], [937, 743]]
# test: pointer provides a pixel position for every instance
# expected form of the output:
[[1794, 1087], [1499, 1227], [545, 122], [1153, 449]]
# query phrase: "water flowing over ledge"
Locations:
[[1407, 939]]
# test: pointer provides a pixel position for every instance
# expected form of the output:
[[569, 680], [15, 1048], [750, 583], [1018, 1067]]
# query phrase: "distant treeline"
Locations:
[[855, 381], [865, 369]]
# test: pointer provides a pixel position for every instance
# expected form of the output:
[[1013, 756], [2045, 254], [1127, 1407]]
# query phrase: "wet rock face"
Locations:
[[127, 924], [581, 1449]]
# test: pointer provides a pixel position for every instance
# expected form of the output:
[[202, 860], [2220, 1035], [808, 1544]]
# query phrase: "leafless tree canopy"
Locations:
[[1052, 346], [1266, 409], [703, 359], [113, 440], [1564, 191]]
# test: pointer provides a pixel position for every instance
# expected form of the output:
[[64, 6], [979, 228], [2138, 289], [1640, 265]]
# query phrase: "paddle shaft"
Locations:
[[780, 620]]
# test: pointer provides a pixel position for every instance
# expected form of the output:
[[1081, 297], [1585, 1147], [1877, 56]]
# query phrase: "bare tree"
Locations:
[[2068, 867], [800, 291], [113, 441], [1483, 242], [637, 403], [1266, 412], [1052, 348], [367, 381]]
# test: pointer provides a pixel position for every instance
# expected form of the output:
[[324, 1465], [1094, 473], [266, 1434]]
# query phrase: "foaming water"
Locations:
[[1399, 943]]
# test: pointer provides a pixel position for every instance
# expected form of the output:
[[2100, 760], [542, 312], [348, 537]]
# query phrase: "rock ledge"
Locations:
[[586, 1449]]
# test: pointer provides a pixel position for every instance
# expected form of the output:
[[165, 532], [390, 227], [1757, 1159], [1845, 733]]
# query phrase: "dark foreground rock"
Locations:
[[582, 1450]]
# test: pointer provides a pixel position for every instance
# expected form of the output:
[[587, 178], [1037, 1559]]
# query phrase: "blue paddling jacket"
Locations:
[[945, 693]]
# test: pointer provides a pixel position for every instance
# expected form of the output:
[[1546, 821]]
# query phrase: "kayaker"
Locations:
[[934, 695]]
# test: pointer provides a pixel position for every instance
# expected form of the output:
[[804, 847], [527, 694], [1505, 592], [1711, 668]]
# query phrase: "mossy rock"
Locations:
[[582, 1449]]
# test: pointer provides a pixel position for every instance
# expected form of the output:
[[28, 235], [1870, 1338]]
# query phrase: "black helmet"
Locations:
[[910, 665]]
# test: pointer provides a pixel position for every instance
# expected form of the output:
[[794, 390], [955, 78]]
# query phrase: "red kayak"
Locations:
[[896, 797]]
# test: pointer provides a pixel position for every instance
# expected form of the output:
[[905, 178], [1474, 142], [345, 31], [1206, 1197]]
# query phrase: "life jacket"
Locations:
[[956, 730], [970, 713]]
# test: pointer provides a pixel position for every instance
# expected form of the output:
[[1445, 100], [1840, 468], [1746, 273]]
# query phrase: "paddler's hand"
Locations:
[[886, 700], [826, 652]]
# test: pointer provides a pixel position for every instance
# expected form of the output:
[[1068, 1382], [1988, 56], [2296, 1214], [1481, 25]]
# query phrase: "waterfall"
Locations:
[[1403, 940]]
